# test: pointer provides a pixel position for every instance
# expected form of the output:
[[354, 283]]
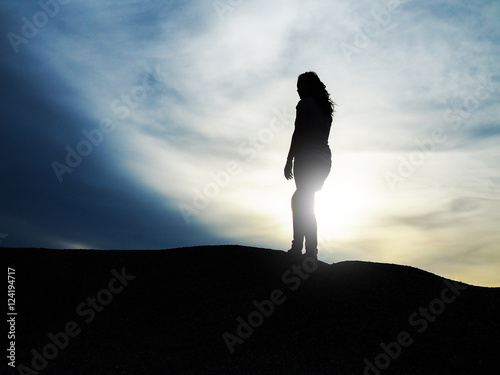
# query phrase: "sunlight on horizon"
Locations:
[[343, 205]]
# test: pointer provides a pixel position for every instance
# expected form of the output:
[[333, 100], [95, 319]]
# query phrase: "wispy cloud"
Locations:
[[193, 95]]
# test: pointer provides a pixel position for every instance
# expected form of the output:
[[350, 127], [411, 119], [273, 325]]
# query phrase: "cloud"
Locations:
[[195, 96], [96, 205]]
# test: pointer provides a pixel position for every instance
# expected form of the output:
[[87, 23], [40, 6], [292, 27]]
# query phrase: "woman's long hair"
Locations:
[[319, 92]]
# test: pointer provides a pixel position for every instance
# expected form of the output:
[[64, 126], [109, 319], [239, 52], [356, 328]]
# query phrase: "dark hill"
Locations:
[[182, 311]]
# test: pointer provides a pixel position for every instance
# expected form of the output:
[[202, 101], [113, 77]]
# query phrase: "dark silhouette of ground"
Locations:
[[180, 311]]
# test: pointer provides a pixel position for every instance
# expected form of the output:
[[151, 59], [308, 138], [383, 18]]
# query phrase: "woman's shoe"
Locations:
[[312, 254], [294, 254]]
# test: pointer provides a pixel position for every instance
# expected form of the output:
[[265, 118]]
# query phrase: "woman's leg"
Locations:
[[304, 220], [311, 226], [318, 172], [309, 177]]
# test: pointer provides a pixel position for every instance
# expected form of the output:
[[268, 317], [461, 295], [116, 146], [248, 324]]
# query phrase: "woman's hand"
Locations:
[[288, 169]]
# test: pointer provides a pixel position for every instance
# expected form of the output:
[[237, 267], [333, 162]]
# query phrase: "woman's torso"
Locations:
[[314, 126]]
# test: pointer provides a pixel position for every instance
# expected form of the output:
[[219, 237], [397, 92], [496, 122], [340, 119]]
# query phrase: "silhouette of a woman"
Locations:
[[309, 159]]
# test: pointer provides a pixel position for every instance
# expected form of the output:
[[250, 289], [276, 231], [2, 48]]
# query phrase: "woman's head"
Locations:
[[310, 86]]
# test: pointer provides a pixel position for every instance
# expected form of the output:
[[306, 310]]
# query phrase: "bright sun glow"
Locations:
[[346, 202], [339, 209], [344, 207]]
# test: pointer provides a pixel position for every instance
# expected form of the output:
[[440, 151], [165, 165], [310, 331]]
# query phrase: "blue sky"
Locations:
[[158, 124]]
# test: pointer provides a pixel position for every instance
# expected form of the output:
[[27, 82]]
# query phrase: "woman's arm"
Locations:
[[297, 137], [288, 165]]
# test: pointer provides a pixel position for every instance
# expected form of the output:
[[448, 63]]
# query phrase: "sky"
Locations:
[[148, 124]]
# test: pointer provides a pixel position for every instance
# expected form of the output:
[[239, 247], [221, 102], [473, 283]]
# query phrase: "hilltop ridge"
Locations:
[[235, 309]]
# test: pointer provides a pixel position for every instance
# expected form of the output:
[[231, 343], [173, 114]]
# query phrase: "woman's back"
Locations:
[[313, 126]]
